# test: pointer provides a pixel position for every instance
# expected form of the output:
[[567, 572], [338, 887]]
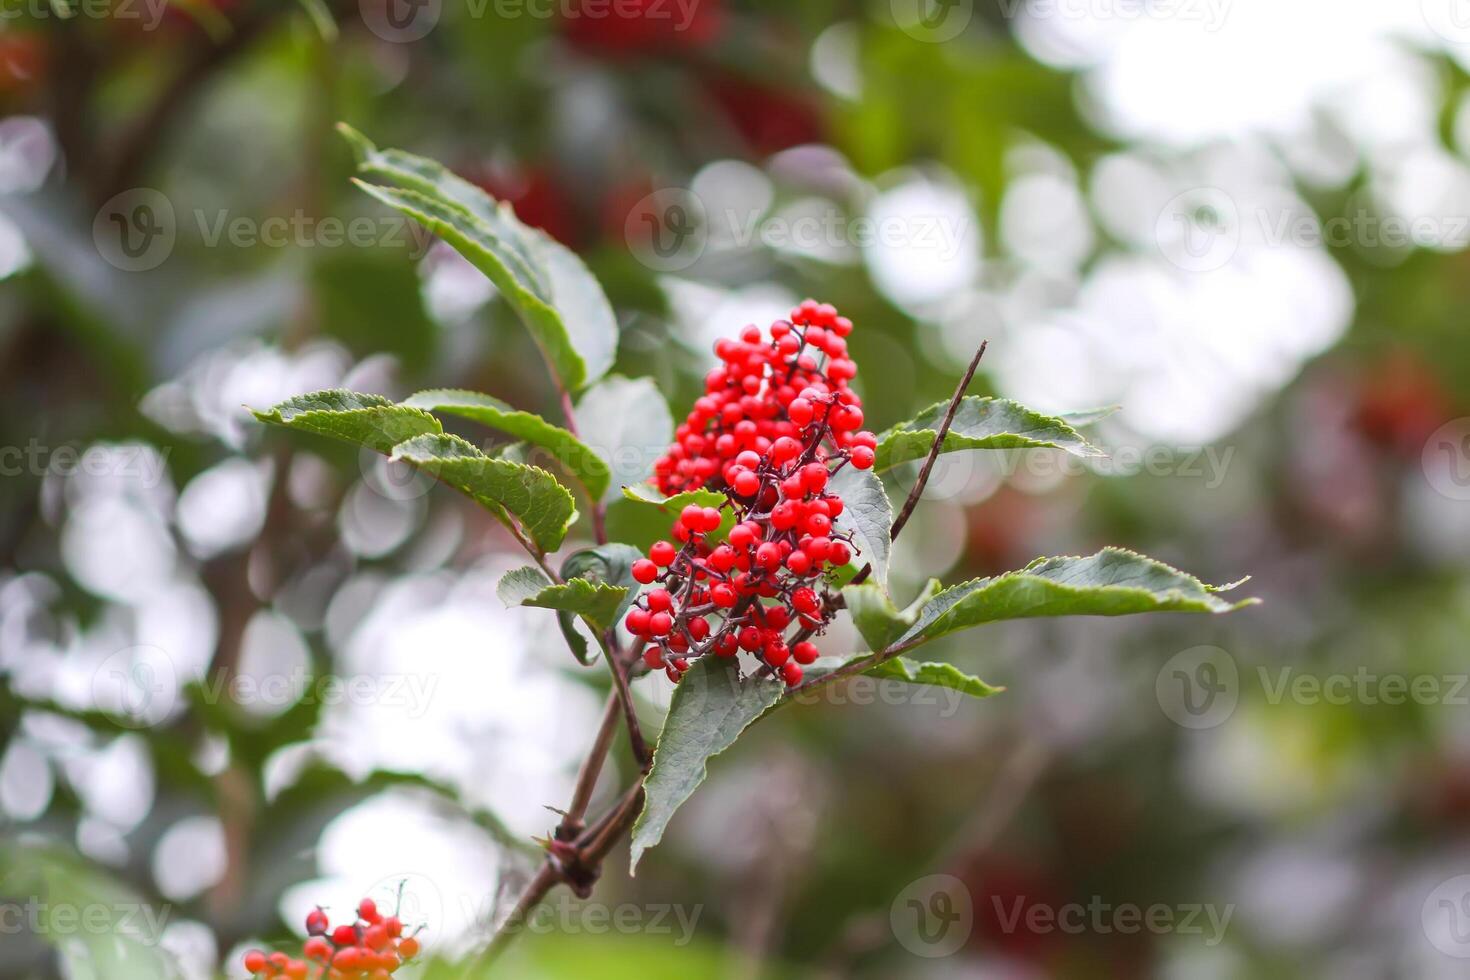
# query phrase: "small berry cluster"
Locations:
[[371, 948], [776, 421]]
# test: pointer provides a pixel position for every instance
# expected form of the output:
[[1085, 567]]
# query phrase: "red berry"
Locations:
[[804, 652], [637, 620], [862, 457], [644, 571], [367, 910], [814, 477], [791, 673], [662, 553], [804, 600], [723, 596], [316, 922], [653, 657], [317, 948], [659, 600], [799, 562], [747, 483], [344, 936], [818, 524], [660, 623], [783, 516], [742, 536], [255, 961]]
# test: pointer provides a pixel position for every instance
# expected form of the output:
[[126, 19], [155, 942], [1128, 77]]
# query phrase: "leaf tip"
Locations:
[[362, 147]]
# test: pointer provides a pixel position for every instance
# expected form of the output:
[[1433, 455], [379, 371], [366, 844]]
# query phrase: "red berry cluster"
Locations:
[[371, 948], [776, 421]]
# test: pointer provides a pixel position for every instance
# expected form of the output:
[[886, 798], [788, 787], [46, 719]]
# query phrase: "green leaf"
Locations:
[[583, 307], [979, 423], [868, 515], [518, 586], [542, 506], [609, 563], [432, 179], [364, 420], [126, 944], [596, 602], [627, 423], [583, 463], [711, 706], [1113, 582], [877, 619], [933, 674], [644, 493], [548, 286]]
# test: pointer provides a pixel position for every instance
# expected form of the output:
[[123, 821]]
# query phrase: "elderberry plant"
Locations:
[[781, 522]]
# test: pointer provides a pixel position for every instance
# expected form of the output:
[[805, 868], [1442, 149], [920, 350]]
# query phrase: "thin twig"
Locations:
[[624, 695], [590, 850], [571, 821], [938, 447], [547, 877], [934, 451], [600, 839]]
